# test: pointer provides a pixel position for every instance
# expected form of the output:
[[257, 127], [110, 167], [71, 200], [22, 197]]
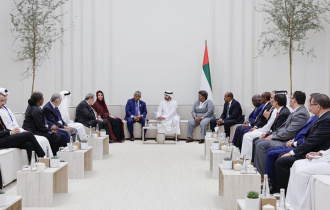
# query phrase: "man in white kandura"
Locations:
[[64, 109], [299, 189], [168, 115]]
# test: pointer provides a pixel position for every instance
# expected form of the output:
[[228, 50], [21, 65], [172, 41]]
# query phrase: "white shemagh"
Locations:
[[64, 109], [171, 124]]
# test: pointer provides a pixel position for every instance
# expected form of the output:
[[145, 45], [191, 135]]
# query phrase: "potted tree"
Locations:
[[227, 163], [291, 21], [37, 25], [215, 145], [54, 162], [252, 201], [2, 197]]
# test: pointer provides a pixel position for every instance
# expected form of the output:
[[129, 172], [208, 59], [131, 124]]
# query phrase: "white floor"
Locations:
[[143, 176]]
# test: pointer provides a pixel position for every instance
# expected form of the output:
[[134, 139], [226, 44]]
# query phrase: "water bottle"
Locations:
[[282, 205], [90, 132], [76, 138], [244, 166], [47, 151], [265, 187], [33, 161], [97, 127], [71, 144], [227, 141]]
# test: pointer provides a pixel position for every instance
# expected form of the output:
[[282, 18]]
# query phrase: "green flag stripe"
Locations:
[[206, 69]]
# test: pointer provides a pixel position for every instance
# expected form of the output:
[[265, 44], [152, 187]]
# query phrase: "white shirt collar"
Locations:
[[279, 109]]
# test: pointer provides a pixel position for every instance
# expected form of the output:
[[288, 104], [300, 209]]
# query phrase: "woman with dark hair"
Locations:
[[14, 139], [202, 113], [35, 122], [116, 125]]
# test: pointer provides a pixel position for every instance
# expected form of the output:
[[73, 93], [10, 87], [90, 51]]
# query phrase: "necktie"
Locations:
[[58, 113], [3, 126], [8, 113], [276, 114], [136, 109]]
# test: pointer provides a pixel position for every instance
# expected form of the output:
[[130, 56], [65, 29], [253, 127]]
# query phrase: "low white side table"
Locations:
[[234, 185], [12, 203], [79, 161], [100, 146], [154, 128], [216, 158], [207, 144], [37, 188]]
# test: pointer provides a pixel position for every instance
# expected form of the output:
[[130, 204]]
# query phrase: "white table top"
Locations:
[[235, 173], [10, 200], [47, 170], [218, 151], [77, 151]]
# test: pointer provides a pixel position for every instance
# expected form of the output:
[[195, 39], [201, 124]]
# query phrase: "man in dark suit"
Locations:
[[317, 138], [15, 139], [53, 115], [261, 120], [285, 132], [136, 111], [231, 115], [282, 113], [86, 115]]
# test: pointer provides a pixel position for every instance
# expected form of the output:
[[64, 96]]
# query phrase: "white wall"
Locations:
[[120, 46]]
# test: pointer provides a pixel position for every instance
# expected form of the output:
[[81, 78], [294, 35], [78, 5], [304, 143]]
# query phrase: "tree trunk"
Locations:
[[290, 53], [34, 54]]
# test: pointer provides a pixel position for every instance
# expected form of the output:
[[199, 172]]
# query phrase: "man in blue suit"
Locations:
[[53, 117], [136, 111], [231, 115]]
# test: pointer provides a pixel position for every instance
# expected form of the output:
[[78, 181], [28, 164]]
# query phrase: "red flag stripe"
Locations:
[[206, 56]]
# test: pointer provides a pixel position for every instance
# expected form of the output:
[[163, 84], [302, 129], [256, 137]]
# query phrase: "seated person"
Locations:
[[317, 139], [284, 132], [88, 116], [299, 189], [15, 139], [242, 129], [136, 111], [116, 125], [53, 116], [274, 152], [202, 112], [10, 122], [64, 109], [255, 132], [35, 122], [168, 115], [231, 115]]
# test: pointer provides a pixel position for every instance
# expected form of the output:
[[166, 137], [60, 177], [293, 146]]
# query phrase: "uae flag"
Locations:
[[206, 83]]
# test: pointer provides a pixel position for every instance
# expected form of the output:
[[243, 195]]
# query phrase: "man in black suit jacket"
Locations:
[[15, 139], [54, 117], [261, 120], [317, 138], [231, 115], [88, 116]]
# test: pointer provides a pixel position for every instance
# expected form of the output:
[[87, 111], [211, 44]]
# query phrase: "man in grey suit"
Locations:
[[285, 132], [202, 113]]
